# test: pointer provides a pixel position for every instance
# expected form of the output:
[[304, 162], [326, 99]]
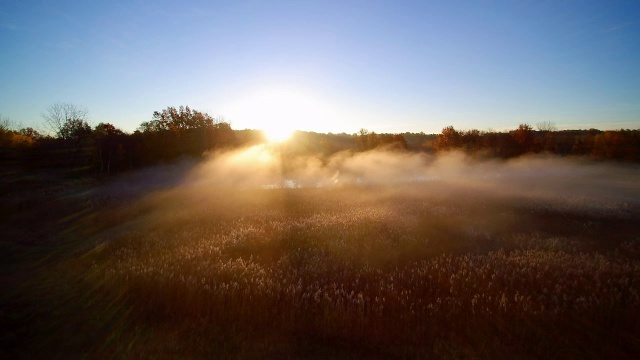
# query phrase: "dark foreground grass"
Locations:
[[410, 271]]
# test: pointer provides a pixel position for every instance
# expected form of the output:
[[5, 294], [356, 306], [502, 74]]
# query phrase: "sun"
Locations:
[[278, 134], [279, 111]]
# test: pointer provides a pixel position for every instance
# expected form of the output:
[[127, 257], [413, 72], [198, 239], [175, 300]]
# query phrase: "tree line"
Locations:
[[622, 145], [75, 145]]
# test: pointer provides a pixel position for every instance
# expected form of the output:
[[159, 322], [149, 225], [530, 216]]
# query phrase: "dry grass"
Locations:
[[378, 272], [403, 270]]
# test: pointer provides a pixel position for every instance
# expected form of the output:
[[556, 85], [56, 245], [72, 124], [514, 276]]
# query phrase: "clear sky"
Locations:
[[327, 66]]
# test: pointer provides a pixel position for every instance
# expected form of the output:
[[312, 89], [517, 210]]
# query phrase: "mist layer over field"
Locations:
[[255, 253], [565, 181], [226, 183]]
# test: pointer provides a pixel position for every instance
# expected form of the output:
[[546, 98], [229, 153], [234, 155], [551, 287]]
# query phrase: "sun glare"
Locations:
[[280, 111], [278, 134]]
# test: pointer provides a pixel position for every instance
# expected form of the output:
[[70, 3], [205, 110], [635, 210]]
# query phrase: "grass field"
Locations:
[[542, 263]]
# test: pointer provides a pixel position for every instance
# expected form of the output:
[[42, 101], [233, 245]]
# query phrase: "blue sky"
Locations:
[[388, 66]]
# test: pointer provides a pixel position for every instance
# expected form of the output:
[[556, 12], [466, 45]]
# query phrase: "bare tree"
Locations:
[[6, 128], [546, 126], [60, 116], [68, 122], [7, 124]]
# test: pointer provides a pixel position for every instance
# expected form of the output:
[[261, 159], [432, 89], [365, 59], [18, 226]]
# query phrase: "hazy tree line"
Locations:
[[367, 140], [73, 144], [621, 144]]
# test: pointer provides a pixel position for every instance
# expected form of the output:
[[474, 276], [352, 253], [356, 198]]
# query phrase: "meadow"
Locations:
[[367, 256]]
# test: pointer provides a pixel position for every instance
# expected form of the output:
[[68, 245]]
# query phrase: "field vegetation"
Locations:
[[372, 255]]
